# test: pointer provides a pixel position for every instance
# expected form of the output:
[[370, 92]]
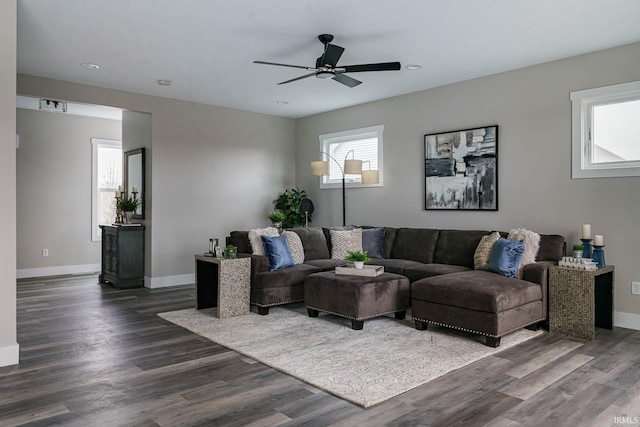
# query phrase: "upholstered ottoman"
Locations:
[[356, 297], [477, 301]]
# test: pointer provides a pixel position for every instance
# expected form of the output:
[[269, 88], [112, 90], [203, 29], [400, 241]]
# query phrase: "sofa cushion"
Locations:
[[239, 239], [476, 290], [313, 242], [327, 232], [345, 241], [457, 247], [506, 256], [421, 271], [290, 276], [483, 251], [394, 265], [257, 247], [373, 242], [326, 264], [531, 241], [415, 244], [295, 246], [278, 252], [552, 248]]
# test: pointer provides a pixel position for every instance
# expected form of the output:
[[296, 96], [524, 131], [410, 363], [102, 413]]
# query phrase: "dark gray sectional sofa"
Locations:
[[445, 288]]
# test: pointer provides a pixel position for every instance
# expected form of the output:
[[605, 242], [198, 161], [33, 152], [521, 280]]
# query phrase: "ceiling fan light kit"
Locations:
[[326, 65]]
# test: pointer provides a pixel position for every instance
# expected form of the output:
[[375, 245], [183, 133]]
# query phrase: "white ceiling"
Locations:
[[206, 47]]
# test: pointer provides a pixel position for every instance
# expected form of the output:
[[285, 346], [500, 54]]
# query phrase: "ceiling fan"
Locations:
[[326, 65]]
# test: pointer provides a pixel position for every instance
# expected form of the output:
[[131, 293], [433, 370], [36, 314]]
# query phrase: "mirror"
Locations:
[[134, 177]]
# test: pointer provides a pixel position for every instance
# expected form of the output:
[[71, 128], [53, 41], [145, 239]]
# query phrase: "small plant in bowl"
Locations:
[[129, 204], [577, 250], [358, 258], [276, 216]]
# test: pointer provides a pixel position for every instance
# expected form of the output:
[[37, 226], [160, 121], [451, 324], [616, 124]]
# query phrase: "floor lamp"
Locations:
[[351, 167]]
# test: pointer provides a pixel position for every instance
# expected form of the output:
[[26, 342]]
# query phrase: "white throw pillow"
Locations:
[[531, 244], [295, 246], [343, 241], [483, 251], [256, 242]]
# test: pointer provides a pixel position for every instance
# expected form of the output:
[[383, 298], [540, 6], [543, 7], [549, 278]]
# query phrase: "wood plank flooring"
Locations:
[[91, 355]]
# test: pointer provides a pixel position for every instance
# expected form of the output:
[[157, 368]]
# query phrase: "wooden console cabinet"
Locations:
[[122, 256]]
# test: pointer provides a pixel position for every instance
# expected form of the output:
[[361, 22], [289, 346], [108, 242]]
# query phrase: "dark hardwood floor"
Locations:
[[91, 355]]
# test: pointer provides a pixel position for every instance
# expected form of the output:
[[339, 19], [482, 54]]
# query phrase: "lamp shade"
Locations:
[[319, 168], [353, 167], [370, 177]]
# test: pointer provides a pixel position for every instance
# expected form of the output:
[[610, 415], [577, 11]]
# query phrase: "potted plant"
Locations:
[[358, 258], [288, 203], [128, 205], [276, 218], [577, 250], [230, 252]]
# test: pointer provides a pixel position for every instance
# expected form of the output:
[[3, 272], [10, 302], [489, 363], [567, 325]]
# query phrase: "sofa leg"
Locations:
[[357, 324], [263, 311], [493, 341], [533, 327], [400, 315], [420, 325], [312, 312]]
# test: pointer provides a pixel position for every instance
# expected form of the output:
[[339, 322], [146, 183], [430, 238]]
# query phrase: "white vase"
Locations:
[[358, 264], [127, 217]]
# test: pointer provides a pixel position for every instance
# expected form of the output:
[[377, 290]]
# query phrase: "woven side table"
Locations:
[[580, 301], [224, 283]]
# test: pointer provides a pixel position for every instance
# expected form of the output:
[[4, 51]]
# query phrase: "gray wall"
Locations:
[[533, 111], [136, 133], [54, 188], [214, 169], [8, 344]]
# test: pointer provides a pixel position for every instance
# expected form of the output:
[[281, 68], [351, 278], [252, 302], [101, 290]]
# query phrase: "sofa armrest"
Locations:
[[538, 272]]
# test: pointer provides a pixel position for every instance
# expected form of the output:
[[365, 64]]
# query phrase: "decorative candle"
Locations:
[[586, 231], [117, 194], [598, 240], [135, 189], [120, 191]]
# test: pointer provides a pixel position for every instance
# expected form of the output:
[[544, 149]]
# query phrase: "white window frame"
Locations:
[[96, 232], [351, 135], [582, 103]]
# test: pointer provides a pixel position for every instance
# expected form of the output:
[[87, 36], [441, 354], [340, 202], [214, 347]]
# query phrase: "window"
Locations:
[[366, 144], [605, 131], [106, 170]]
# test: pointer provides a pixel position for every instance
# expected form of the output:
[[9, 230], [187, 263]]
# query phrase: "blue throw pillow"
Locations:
[[506, 256], [373, 241], [278, 252]]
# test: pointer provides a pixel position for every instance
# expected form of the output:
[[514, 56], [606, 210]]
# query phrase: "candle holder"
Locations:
[[586, 248], [119, 218], [598, 256]]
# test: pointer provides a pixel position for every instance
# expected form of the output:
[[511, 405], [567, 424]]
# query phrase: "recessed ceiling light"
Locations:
[[281, 102], [89, 66], [413, 67], [164, 82]]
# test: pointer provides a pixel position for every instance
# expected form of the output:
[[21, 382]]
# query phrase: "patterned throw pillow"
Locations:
[[295, 246], [483, 251], [531, 244], [343, 241], [256, 242]]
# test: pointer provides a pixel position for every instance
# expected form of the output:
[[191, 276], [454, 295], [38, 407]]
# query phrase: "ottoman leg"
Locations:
[[420, 325], [533, 327], [493, 341], [400, 315], [312, 312], [357, 324]]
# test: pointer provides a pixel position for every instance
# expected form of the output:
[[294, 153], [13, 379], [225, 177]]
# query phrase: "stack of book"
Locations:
[[579, 263]]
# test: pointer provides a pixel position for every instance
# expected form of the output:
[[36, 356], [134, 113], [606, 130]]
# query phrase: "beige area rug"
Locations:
[[388, 357]]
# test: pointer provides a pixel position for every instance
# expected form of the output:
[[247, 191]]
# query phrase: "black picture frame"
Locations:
[[134, 173], [461, 169]]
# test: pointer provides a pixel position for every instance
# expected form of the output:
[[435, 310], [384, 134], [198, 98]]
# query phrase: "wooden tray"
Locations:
[[367, 270]]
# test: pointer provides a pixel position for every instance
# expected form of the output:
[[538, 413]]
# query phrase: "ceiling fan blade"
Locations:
[[383, 66], [346, 80], [298, 78], [283, 65], [332, 54]]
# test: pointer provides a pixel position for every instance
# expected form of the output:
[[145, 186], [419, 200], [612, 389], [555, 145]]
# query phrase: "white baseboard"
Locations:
[[626, 320], [57, 271], [10, 355], [163, 282]]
